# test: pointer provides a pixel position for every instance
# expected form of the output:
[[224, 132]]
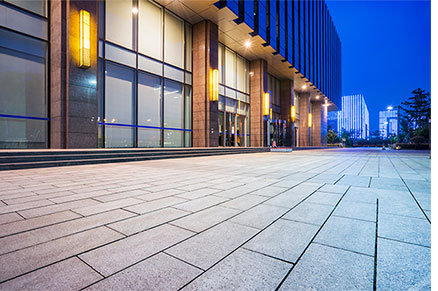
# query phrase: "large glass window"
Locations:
[[119, 113], [23, 91], [119, 23], [230, 68], [148, 101], [36, 6], [150, 23], [174, 41]]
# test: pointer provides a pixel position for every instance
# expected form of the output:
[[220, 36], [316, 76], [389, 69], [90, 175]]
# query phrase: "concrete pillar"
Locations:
[[304, 116], [73, 91], [286, 101], [258, 86], [205, 58]]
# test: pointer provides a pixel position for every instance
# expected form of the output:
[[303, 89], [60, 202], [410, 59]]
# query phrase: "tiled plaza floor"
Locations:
[[338, 219]]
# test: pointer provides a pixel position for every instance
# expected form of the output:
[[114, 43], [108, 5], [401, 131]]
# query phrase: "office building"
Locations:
[[198, 73], [332, 121], [354, 117], [388, 122]]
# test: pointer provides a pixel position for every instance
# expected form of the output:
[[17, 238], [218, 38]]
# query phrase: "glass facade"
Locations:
[[145, 61], [24, 111], [233, 98], [354, 116]]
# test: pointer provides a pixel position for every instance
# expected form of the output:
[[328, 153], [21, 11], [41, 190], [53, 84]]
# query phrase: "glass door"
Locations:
[[230, 129], [221, 129]]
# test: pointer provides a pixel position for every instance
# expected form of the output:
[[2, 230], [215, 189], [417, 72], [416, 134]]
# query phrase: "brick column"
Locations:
[[286, 101], [205, 58], [304, 115], [258, 86], [317, 112]]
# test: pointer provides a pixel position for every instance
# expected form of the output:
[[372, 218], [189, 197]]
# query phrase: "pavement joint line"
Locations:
[[194, 232], [179, 259], [413, 196], [375, 246], [313, 238], [369, 183], [360, 171], [289, 219], [91, 267], [404, 242], [269, 256], [343, 175], [343, 249], [354, 218]]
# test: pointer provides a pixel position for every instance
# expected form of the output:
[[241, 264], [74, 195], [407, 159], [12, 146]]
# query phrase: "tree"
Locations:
[[346, 138], [332, 137], [415, 117]]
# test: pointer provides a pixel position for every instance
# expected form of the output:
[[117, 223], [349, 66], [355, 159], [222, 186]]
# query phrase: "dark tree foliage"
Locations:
[[415, 114], [332, 137]]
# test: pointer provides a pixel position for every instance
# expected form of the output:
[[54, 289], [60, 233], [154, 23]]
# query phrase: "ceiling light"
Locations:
[[304, 87], [248, 43], [134, 10]]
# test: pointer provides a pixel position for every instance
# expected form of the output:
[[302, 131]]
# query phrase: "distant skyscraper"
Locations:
[[388, 122], [354, 116], [332, 120]]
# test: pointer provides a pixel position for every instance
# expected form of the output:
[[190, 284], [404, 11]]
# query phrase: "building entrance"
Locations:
[[232, 129], [277, 132]]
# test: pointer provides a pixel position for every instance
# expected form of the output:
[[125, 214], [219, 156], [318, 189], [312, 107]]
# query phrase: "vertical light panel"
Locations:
[[293, 113], [84, 36], [214, 85], [310, 120], [266, 103]]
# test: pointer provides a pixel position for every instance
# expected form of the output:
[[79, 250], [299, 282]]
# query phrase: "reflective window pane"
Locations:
[[23, 77], [173, 105], [149, 100], [23, 133], [189, 40], [118, 24], [230, 69], [241, 72], [149, 138], [174, 40], [35, 6], [173, 138], [150, 23], [119, 94]]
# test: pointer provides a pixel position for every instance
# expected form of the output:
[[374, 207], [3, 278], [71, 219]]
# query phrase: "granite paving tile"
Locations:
[[9, 217], [402, 266], [269, 191], [259, 216], [57, 208], [23, 206], [70, 274], [121, 195], [340, 189], [242, 270], [212, 245], [159, 272], [406, 229], [44, 234], [327, 268], [160, 194], [309, 213], [200, 203], [358, 181], [146, 221], [198, 193], [206, 218], [32, 223], [244, 202], [284, 239], [325, 198], [29, 259], [358, 210], [150, 206], [349, 234], [123, 203], [118, 255]]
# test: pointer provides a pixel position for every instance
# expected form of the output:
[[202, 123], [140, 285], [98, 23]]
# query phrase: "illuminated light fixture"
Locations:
[[310, 120], [270, 113], [293, 113], [214, 85], [304, 87], [134, 10], [266, 103], [84, 46], [317, 97], [389, 107], [247, 43], [251, 74]]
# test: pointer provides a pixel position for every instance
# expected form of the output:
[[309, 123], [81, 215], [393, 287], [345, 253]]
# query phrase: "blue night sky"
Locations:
[[385, 50]]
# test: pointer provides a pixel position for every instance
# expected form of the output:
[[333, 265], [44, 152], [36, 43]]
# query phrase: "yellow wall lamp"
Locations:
[[84, 38], [214, 85], [293, 113], [266, 103], [310, 120]]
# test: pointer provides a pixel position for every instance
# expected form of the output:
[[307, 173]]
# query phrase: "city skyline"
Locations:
[[384, 57]]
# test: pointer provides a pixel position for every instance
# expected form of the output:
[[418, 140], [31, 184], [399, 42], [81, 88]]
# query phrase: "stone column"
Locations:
[[258, 86], [304, 115], [324, 125], [317, 112], [82, 102], [286, 101], [205, 58], [73, 93]]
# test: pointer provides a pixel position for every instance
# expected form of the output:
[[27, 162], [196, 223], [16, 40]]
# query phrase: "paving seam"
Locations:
[[404, 242], [375, 247], [346, 250]]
